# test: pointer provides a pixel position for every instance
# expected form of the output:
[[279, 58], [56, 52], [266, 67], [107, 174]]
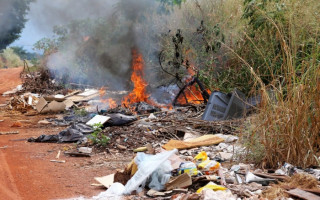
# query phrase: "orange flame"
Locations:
[[139, 92], [112, 103], [192, 93]]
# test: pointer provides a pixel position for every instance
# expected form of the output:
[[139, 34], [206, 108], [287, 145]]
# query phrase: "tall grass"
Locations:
[[287, 127]]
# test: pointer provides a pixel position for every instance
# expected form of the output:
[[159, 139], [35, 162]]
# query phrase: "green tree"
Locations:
[[12, 20]]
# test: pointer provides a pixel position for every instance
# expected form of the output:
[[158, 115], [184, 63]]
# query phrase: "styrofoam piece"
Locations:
[[98, 119]]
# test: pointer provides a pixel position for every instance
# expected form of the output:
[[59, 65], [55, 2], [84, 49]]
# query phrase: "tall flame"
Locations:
[[139, 92]]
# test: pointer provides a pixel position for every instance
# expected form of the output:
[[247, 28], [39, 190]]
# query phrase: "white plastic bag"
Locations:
[[161, 176], [147, 164]]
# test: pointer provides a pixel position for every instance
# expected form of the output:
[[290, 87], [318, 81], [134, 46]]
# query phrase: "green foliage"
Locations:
[[13, 17], [24, 54], [8, 58], [80, 112], [98, 137], [46, 45]]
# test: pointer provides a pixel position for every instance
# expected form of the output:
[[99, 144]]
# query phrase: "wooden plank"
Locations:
[[314, 191], [303, 194], [274, 176]]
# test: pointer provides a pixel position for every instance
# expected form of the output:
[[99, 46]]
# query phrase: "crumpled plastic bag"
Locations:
[[161, 176], [147, 164], [74, 133]]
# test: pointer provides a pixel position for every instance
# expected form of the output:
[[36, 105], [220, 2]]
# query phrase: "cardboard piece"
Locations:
[[58, 98], [68, 103], [98, 119], [54, 107], [205, 140], [182, 181], [41, 104], [106, 181]]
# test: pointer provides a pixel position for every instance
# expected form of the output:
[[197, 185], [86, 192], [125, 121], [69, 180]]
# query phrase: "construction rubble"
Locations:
[[178, 153]]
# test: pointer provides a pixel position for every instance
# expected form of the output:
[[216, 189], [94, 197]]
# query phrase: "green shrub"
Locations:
[[8, 58], [97, 137]]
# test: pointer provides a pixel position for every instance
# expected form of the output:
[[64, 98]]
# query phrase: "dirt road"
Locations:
[[25, 168]]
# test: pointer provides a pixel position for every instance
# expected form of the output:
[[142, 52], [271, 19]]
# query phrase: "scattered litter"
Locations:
[[9, 133], [75, 133], [250, 177], [182, 181], [120, 119], [44, 122], [58, 155], [188, 168], [211, 186], [106, 181], [147, 164], [207, 194], [205, 140], [77, 154], [58, 161], [140, 149], [87, 150]]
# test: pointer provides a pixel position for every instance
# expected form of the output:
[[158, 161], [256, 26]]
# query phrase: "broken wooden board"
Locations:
[[106, 181], [273, 176], [303, 194], [84, 96], [205, 140]]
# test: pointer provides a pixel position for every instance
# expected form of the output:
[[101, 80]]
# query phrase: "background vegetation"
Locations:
[[13, 17]]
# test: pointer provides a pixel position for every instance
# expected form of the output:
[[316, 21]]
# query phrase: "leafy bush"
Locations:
[[8, 58]]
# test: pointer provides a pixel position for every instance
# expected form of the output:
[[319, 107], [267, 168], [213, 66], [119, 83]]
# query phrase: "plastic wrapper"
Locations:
[[211, 186], [147, 164], [209, 166], [189, 168], [202, 156]]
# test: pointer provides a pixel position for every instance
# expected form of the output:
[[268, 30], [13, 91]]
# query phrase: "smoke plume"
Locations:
[[97, 38]]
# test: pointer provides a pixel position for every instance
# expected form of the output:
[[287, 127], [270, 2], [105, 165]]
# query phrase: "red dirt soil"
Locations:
[[25, 168]]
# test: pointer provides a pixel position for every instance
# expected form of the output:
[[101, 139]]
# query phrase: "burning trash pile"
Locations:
[[182, 150]]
